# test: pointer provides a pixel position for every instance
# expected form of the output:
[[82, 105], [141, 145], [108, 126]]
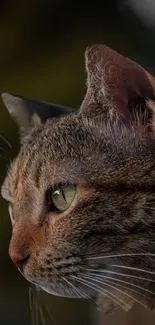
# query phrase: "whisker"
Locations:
[[125, 287], [42, 316], [37, 312], [44, 309], [3, 157], [103, 291], [122, 274], [2, 149], [50, 315], [37, 304], [31, 304], [133, 269], [75, 289], [120, 255], [81, 293], [92, 300], [6, 141], [119, 290], [30, 298], [126, 282]]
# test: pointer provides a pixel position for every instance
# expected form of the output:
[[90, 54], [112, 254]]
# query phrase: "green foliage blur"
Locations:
[[42, 46]]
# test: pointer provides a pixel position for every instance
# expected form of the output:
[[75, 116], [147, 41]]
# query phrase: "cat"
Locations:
[[81, 190]]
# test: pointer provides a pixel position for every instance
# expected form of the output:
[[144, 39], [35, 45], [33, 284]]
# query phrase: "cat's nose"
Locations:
[[19, 257]]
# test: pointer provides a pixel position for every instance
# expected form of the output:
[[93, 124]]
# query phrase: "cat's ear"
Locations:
[[28, 112], [115, 84]]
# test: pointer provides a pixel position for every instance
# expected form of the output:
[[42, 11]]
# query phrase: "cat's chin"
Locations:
[[55, 290], [59, 292]]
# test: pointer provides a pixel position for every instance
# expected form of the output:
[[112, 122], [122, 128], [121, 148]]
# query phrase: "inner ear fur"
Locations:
[[115, 85]]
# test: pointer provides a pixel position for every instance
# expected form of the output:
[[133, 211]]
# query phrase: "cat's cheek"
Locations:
[[48, 218]]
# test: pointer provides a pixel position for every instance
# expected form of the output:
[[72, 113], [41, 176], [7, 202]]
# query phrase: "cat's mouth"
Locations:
[[62, 288], [59, 281]]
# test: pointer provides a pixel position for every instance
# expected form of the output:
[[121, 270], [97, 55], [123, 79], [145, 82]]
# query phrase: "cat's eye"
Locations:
[[62, 196], [11, 212]]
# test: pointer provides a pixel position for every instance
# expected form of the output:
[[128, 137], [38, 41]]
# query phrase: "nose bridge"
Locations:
[[21, 243], [19, 240]]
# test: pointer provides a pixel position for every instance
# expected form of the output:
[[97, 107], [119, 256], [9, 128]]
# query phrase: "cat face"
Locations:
[[81, 190]]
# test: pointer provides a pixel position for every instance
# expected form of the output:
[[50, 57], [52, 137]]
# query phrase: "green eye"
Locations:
[[63, 196]]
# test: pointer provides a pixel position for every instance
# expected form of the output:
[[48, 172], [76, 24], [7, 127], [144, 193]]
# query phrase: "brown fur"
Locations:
[[108, 151]]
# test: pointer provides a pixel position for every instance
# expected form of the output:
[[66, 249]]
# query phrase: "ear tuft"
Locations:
[[151, 107]]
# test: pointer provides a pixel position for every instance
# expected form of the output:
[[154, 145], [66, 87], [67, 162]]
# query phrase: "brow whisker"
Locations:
[[6, 141]]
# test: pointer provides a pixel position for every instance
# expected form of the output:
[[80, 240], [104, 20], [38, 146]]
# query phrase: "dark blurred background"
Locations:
[[42, 46]]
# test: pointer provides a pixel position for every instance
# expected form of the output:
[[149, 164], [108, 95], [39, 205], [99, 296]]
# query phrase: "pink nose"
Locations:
[[19, 258]]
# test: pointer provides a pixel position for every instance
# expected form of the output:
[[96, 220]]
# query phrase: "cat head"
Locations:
[[81, 191]]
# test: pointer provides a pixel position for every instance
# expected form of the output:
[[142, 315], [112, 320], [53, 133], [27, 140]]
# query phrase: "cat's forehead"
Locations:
[[74, 150], [49, 154]]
